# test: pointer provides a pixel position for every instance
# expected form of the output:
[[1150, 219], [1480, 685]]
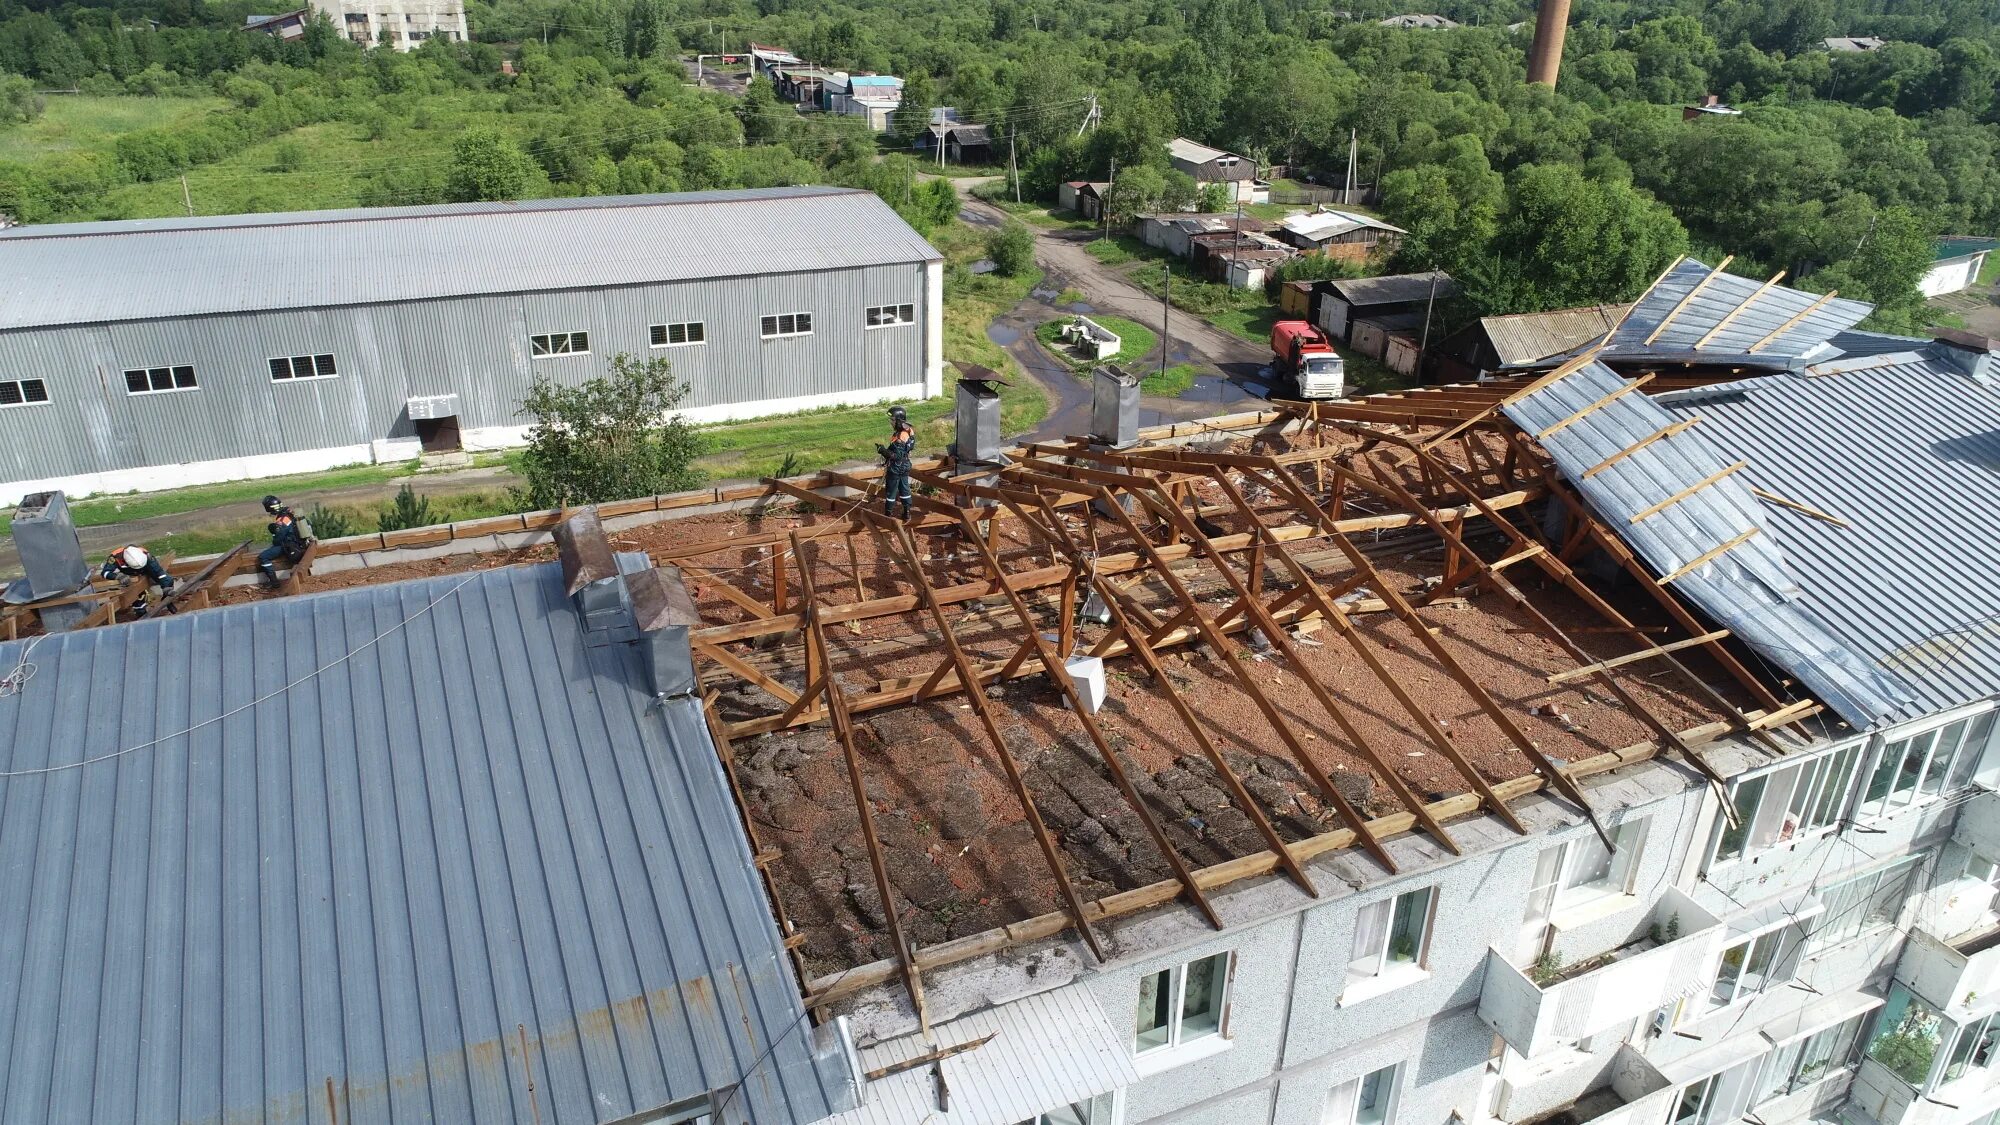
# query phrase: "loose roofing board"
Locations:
[[1754, 589], [1525, 338], [1908, 453], [139, 269], [1049, 1051], [481, 828], [1763, 311]]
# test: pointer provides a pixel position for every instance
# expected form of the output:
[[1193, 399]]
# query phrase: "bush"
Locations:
[[611, 438], [406, 511], [329, 523], [1012, 249]]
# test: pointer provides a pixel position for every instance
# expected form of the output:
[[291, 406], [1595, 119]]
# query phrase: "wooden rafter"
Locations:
[[1686, 493], [1597, 404], [1681, 306], [1660, 434], [1793, 321], [1710, 555], [1730, 317]]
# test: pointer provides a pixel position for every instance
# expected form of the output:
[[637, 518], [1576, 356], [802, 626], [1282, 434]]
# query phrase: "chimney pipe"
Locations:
[[1114, 406], [977, 416], [1546, 55], [51, 557]]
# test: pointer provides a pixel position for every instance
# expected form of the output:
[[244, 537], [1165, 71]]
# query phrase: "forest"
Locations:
[[1841, 169]]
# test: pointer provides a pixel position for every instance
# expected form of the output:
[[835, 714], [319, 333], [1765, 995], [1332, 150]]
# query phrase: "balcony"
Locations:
[[1953, 973], [1674, 954]]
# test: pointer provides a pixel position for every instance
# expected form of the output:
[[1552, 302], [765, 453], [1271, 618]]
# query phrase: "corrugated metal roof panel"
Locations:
[[384, 838], [1718, 301], [1755, 589], [1050, 1050], [1525, 338], [1395, 288], [87, 273]]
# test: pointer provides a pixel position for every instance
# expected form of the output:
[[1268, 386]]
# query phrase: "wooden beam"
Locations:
[[1690, 490], [1590, 670], [735, 596], [1793, 321], [1803, 709], [1712, 554], [1802, 509], [1660, 434], [1597, 404], [928, 1057], [1673, 313], [1739, 310]]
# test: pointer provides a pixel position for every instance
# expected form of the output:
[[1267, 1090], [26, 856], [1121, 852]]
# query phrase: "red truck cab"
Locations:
[[1303, 352]]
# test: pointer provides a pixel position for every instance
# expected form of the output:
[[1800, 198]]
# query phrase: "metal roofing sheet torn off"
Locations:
[[1731, 317], [1048, 1051], [88, 273], [1751, 588], [404, 848]]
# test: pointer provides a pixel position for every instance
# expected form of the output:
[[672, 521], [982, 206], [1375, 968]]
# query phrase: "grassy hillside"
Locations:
[[82, 123]]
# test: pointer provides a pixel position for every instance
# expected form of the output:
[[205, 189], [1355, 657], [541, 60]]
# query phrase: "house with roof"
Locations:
[[766, 59], [1209, 165], [1343, 302], [1854, 43], [1175, 232], [285, 26], [1085, 197], [290, 342], [1349, 235], [1426, 21], [871, 96], [1957, 262], [958, 142], [1495, 344]]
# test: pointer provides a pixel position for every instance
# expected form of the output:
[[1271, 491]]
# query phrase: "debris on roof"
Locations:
[[1695, 312], [1525, 338]]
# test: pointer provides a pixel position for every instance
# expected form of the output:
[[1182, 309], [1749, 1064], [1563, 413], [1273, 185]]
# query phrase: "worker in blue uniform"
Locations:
[[133, 561], [288, 540], [896, 461]]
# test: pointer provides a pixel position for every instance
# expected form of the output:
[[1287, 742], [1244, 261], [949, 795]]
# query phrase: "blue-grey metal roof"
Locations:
[[1788, 609], [476, 851], [139, 269], [1734, 315]]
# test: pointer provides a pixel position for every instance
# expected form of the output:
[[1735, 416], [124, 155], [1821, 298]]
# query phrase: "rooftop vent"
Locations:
[[978, 416], [1114, 407], [664, 613], [590, 573], [1968, 353], [52, 557]]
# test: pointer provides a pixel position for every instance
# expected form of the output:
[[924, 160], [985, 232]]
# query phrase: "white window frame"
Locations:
[[1964, 737], [1841, 923], [174, 375], [313, 367], [1343, 1103], [21, 388], [542, 345], [890, 316], [1783, 1072], [1620, 866], [1372, 964], [1783, 946], [1104, 1109], [775, 322], [662, 335], [1174, 979], [1787, 802]]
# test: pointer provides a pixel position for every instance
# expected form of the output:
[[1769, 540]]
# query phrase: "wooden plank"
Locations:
[[1712, 554], [709, 582], [1792, 323], [1802, 509], [295, 577], [1660, 434], [1690, 490], [1726, 321], [1804, 708], [1596, 405], [1590, 670], [1673, 313], [928, 1057]]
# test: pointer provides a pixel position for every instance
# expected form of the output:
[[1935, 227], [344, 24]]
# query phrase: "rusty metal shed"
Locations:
[[434, 850]]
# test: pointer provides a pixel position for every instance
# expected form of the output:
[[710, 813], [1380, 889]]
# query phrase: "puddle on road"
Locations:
[[1003, 335]]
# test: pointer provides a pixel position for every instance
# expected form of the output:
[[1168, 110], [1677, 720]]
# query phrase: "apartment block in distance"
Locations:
[[406, 23]]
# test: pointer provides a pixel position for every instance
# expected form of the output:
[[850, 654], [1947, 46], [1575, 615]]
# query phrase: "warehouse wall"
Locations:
[[93, 436]]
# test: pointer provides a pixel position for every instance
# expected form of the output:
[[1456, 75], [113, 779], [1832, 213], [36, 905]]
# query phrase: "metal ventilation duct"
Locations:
[[978, 416], [51, 556], [1114, 407]]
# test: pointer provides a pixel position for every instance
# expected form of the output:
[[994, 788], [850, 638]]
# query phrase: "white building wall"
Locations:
[[408, 22]]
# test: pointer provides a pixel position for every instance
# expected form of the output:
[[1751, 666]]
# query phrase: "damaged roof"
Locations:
[[1695, 312], [404, 848], [1525, 338]]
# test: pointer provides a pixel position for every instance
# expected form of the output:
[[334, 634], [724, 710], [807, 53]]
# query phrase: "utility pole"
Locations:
[[1013, 172], [1347, 189], [1166, 296], [1103, 211], [186, 199]]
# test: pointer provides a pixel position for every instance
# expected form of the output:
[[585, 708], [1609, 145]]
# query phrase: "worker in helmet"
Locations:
[[896, 461], [288, 540], [133, 561]]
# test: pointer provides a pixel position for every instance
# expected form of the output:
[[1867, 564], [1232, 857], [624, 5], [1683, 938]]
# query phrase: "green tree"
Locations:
[[487, 166], [913, 114], [1012, 249], [610, 438], [1564, 241], [1136, 190], [1178, 191], [1214, 197], [18, 100], [409, 509], [763, 116]]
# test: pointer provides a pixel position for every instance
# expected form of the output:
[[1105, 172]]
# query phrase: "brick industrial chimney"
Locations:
[[1546, 56]]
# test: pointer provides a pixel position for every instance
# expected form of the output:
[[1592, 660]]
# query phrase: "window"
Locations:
[[1752, 966], [1907, 1036], [674, 335], [23, 392], [882, 316], [788, 324], [1985, 870], [1784, 804], [1182, 1004], [1688, 1111], [560, 343], [1972, 1049], [1367, 1100], [1100, 1110], [1799, 1064], [1860, 903], [155, 380], [1391, 936], [1923, 767], [1583, 870], [303, 367], [1719, 1097]]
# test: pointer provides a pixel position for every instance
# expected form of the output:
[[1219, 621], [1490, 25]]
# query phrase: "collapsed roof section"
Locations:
[[1697, 313]]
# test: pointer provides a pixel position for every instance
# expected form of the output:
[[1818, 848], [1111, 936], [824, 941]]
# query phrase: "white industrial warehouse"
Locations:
[[154, 353]]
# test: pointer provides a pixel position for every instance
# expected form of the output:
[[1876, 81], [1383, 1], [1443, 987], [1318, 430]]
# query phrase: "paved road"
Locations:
[[1979, 305]]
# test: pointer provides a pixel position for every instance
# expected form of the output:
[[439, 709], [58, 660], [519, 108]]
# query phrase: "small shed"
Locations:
[[1493, 344], [1295, 299], [1341, 234], [1370, 335], [1957, 262], [1175, 233], [963, 143], [1085, 197], [1344, 301]]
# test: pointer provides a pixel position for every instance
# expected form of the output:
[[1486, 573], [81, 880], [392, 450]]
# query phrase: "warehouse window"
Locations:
[[23, 392], [788, 324], [882, 316], [154, 380], [560, 343], [674, 335], [303, 367]]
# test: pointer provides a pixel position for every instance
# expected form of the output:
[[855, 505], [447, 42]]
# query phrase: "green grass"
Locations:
[[1069, 296], [93, 124], [1120, 249], [1989, 274], [1134, 340], [1271, 212], [1251, 322], [297, 490], [1171, 383], [1367, 376]]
